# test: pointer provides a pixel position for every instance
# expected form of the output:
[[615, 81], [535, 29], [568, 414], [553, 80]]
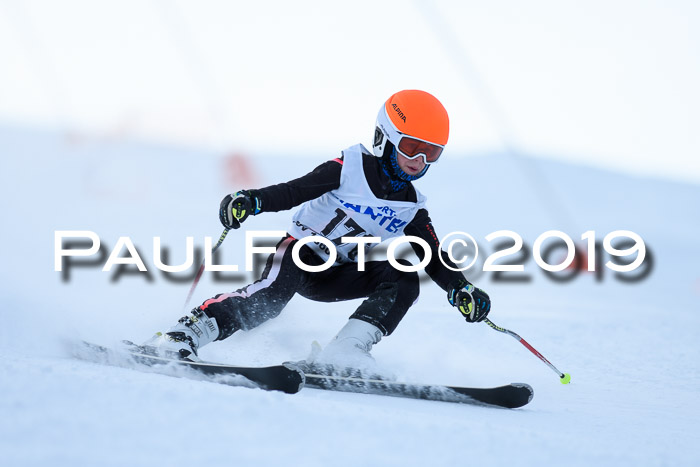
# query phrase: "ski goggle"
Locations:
[[412, 148]]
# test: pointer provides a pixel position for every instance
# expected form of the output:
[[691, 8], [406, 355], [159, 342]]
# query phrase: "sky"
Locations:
[[609, 84]]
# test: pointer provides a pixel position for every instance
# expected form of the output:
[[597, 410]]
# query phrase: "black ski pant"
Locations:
[[389, 292]]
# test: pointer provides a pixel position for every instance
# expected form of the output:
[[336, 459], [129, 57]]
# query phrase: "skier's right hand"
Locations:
[[236, 207]]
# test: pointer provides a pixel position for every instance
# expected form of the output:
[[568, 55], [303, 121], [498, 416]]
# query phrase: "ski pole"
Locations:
[[565, 378], [201, 270]]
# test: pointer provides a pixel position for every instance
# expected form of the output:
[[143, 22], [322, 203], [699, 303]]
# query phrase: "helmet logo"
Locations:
[[398, 111]]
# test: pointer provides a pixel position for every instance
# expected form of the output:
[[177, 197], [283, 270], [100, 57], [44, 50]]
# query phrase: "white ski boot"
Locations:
[[351, 347], [183, 340]]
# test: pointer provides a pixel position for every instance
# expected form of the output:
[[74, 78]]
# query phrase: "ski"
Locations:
[[292, 377], [286, 378], [510, 396]]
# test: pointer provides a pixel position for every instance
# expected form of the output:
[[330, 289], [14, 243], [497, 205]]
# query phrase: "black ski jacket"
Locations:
[[326, 177]]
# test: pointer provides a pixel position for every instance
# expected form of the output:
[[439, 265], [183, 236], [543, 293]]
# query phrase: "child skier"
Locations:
[[357, 194]]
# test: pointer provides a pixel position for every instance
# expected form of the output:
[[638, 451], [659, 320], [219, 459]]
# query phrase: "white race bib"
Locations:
[[352, 210]]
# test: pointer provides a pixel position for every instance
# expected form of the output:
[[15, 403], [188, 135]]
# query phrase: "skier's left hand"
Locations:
[[474, 303]]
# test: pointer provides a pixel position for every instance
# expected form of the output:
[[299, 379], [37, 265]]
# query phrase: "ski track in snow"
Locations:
[[631, 349]]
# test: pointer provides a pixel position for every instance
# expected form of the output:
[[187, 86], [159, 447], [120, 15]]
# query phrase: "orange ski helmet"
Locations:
[[414, 124]]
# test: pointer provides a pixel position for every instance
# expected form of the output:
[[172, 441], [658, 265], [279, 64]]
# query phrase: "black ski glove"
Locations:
[[474, 303], [236, 207]]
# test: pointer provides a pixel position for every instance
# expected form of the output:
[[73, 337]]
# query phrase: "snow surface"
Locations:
[[631, 349]]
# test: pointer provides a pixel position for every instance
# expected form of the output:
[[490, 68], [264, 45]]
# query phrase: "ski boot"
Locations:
[[183, 340], [348, 354]]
